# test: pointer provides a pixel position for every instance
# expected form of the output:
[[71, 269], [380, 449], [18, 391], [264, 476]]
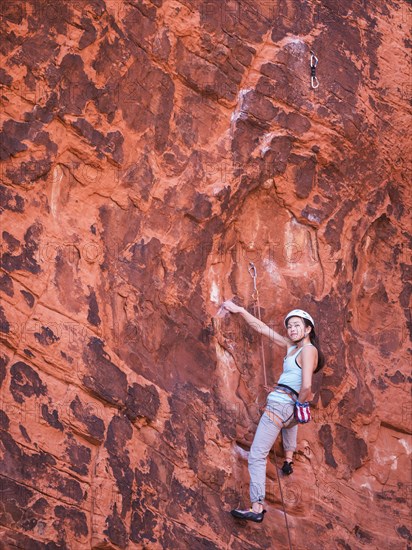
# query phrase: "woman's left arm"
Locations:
[[309, 359]]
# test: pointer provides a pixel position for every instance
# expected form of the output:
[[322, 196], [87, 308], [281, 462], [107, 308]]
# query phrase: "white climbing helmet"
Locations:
[[299, 313]]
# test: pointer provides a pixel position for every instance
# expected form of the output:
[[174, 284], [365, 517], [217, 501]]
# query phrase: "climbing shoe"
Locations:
[[249, 515], [287, 468]]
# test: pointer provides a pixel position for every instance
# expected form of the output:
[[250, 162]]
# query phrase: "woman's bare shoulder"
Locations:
[[309, 354]]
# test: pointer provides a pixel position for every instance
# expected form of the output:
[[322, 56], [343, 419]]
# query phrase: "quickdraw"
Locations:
[[253, 274], [314, 82]]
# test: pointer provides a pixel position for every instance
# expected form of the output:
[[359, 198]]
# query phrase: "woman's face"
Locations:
[[296, 328]]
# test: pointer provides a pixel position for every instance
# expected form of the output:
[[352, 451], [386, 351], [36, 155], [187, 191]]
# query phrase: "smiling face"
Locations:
[[297, 329]]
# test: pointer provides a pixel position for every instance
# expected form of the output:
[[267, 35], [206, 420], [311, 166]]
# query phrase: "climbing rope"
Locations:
[[255, 295], [314, 82]]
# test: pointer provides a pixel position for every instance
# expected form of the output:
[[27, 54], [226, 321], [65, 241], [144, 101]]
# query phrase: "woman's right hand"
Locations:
[[231, 306]]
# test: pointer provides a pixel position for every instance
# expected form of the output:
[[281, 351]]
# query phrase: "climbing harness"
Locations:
[[314, 82], [255, 295]]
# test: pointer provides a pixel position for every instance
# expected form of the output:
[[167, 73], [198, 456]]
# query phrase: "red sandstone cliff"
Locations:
[[150, 151]]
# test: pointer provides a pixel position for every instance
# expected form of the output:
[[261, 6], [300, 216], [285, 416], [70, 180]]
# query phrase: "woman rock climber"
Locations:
[[303, 358]]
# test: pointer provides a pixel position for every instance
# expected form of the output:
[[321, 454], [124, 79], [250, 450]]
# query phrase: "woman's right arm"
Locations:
[[256, 324]]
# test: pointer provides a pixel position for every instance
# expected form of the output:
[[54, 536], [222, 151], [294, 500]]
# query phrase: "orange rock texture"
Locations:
[[150, 151]]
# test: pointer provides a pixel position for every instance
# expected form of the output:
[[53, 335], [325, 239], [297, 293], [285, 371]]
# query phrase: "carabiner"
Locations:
[[253, 273], [314, 82], [313, 59]]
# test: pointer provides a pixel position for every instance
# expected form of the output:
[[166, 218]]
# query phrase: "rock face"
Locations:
[[150, 151]]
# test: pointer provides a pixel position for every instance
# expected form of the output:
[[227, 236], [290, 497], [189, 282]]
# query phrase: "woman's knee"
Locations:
[[257, 454]]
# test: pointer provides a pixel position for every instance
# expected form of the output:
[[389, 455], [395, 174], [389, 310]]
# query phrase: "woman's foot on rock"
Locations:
[[250, 515]]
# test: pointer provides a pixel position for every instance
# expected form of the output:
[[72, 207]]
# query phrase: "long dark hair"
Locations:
[[315, 341]]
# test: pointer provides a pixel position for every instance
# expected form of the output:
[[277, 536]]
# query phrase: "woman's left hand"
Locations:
[[231, 306]]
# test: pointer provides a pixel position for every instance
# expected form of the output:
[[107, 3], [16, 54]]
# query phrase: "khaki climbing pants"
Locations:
[[278, 416]]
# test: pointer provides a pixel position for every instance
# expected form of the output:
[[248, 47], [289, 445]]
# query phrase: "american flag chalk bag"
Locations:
[[302, 412]]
